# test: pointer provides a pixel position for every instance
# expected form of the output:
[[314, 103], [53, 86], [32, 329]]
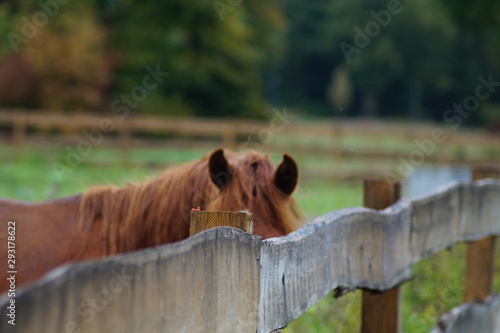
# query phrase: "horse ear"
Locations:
[[286, 175], [219, 168]]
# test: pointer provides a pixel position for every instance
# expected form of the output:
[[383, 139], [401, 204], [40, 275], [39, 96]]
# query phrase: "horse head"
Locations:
[[251, 182]]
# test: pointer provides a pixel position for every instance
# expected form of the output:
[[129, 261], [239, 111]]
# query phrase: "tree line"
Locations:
[[407, 59]]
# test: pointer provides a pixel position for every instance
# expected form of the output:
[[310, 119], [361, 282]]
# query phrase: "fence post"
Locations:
[[19, 129], [380, 311], [125, 140], [480, 269], [337, 153], [229, 139], [201, 220], [19, 124]]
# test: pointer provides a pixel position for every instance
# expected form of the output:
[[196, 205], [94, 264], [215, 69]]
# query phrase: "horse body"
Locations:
[[46, 236], [106, 220]]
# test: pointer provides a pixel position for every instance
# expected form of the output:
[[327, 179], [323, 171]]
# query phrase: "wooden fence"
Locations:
[[43, 128], [226, 280]]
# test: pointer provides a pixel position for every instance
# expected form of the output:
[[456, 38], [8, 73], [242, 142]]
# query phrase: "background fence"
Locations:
[[226, 280], [349, 145]]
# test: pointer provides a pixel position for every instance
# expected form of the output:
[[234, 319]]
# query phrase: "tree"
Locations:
[[476, 16], [214, 51], [416, 57], [62, 46]]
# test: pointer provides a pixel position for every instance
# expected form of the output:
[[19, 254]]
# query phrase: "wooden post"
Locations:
[[380, 311], [480, 269], [125, 140], [201, 220], [337, 153], [19, 130], [229, 137], [19, 122]]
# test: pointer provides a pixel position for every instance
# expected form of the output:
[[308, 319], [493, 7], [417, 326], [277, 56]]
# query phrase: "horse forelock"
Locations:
[[157, 211], [252, 188]]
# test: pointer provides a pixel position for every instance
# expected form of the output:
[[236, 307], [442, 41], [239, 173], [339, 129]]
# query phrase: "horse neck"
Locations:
[[47, 235], [64, 214]]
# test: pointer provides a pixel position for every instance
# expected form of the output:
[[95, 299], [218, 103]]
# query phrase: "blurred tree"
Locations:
[[479, 33], [401, 58], [18, 81], [71, 67], [63, 47], [6, 23], [19, 84], [474, 15], [340, 89], [309, 59], [414, 57], [215, 52]]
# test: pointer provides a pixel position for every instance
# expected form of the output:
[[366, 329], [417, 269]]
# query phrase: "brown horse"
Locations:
[[108, 220]]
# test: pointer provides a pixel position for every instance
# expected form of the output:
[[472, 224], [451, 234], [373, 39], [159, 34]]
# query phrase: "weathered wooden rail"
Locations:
[[226, 280], [472, 317], [231, 133]]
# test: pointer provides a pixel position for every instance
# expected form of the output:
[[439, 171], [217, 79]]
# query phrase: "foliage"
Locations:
[[215, 58], [65, 51], [225, 57], [474, 15], [419, 62], [71, 67], [216, 55], [340, 89], [5, 26]]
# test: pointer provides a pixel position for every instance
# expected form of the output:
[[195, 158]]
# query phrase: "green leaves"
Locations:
[[216, 52], [420, 43]]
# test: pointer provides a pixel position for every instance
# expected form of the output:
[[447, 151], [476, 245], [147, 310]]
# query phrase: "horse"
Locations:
[[107, 220]]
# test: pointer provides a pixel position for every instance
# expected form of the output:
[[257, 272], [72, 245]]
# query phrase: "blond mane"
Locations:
[[157, 212]]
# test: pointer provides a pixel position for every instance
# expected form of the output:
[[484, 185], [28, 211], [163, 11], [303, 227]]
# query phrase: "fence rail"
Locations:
[[226, 280], [472, 317], [43, 128]]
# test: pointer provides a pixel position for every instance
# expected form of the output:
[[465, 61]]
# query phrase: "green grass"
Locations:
[[316, 197], [437, 288]]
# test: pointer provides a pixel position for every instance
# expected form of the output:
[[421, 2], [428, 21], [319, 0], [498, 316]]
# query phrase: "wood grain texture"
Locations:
[[483, 172], [356, 247], [359, 247], [481, 209], [480, 268], [381, 312], [380, 194], [455, 213], [208, 283], [436, 221], [201, 220], [472, 317]]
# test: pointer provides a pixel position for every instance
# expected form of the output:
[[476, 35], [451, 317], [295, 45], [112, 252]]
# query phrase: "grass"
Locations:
[[437, 288]]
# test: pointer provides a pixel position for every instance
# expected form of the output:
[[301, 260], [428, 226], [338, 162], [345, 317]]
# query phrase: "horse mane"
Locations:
[[156, 212]]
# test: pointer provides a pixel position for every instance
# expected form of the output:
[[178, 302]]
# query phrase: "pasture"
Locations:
[[437, 287], [366, 128]]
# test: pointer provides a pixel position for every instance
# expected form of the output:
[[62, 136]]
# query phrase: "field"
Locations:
[[437, 287]]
